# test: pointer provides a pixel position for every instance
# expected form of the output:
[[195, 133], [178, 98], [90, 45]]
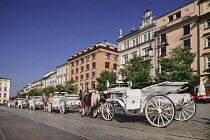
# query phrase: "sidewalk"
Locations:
[[14, 127]]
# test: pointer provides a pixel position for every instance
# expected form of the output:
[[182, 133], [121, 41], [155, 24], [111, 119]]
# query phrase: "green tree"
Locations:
[[177, 68], [69, 88], [104, 76], [46, 91], [34, 92], [138, 71]]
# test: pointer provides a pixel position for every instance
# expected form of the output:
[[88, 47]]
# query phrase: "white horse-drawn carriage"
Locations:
[[12, 103], [22, 102], [35, 102], [61, 101], [161, 103]]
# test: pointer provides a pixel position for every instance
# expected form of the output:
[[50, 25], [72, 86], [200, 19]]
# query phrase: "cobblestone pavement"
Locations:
[[26, 124]]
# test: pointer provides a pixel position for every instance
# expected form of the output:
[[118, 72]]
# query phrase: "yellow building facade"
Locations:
[[204, 35], [4, 90]]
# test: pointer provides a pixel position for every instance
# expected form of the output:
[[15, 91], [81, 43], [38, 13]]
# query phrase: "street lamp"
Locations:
[[160, 45]]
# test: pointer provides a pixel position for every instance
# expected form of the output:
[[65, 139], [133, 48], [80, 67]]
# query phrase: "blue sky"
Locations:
[[36, 36]]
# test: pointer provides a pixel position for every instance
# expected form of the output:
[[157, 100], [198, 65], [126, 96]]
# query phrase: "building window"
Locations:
[[208, 61], [72, 72], [137, 41], [115, 66], [128, 44], [107, 55], [5, 95], [87, 76], [72, 64], [87, 58], [186, 29], [77, 62], [107, 65], [170, 18], [208, 22], [76, 78], [82, 60], [208, 42], [77, 70], [5, 89], [87, 86], [187, 43], [163, 38], [134, 43], [82, 68], [87, 67], [93, 84], [148, 36], [178, 15], [146, 52], [115, 57], [93, 74], [163, 51], [125, 59], [93, 56], [93, 65], [125, 46], [81, 77], [145, 38], [72, 79]]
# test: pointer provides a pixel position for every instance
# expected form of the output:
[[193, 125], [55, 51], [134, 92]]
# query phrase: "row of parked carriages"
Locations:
[[161, 103]]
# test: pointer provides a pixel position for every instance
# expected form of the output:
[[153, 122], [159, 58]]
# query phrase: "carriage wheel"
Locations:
[[62, 108], [108, 111], [186, 111], [160, 111], [49, 108]]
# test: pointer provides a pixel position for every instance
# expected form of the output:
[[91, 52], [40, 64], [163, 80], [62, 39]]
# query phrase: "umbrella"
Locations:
[[201, 89]]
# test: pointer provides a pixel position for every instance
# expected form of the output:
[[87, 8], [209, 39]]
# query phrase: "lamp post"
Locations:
[[160, 45]]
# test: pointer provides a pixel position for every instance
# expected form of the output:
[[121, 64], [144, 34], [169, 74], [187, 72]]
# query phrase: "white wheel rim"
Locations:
[[185, 112], [108, 111], [160, 111]]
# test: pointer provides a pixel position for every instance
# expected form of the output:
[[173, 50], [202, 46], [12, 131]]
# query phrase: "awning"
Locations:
[[207, 84]]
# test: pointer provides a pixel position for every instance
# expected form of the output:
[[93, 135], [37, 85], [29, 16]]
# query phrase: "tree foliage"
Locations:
[[104, 76], [177, 68], [138, 71]]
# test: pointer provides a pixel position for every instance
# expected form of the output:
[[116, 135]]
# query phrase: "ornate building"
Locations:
[[204, 37], [86, 65], [139, 42]]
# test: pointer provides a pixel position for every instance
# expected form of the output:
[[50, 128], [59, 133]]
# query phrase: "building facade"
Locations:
[[4, 89], [139, 42], [178, 28], [86, 65], [62, 74], [204, 37]]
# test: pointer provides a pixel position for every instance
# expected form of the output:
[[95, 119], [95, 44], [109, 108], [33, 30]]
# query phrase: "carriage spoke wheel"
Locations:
[[186, 111], [108, 111], [160, 111]]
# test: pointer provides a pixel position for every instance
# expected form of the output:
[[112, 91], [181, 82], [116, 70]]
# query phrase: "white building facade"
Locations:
[[62, 74], [4, 90], [139, 42]]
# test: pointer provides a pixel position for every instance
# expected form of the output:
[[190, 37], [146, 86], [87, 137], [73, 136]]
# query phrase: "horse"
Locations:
[[46, 101], [92, 100]]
